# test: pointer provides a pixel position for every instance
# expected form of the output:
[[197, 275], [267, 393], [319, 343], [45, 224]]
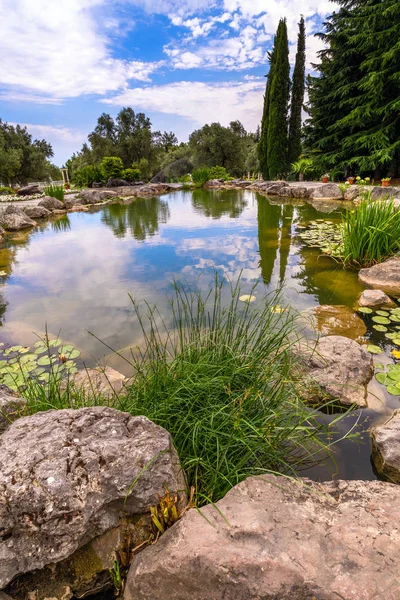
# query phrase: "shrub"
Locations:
[[87, 176], [219, 173], [371, 232], [112, 167], [56, 191], [305, 167], [201, 176], [6, 191], [131, 174]]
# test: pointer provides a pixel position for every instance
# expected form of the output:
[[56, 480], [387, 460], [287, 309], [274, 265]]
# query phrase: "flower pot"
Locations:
[[350, 180], [325, 179], [385, 183]]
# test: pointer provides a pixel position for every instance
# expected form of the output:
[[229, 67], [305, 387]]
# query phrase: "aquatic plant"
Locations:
[[201, 176], [55, 191]]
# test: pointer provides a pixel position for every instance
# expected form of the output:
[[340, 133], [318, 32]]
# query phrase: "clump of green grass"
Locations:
[[201, 176], [371, 232], [55, 191]]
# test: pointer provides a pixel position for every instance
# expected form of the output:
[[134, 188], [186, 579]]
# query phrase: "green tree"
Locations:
[[214, 145], [277, 143], [263, 141], [298, 88], [111, 166]]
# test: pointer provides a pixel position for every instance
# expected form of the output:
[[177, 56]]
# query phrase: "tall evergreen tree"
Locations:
[[354, 106], [263, 142], [277, 140], [294, 142]]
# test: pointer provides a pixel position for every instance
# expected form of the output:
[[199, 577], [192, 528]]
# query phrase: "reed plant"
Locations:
[[201, 176], [55, 191], [371, 232]]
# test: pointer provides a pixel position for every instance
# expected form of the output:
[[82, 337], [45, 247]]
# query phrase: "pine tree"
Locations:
[[354, 105], [294, 142], [277, 133], [263, 143]]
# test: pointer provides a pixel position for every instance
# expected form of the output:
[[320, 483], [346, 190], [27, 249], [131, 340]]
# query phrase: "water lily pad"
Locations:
[[381, 320], [380, 328], [393, 390], [381, 378], [365, 310], [16, 348], [44, 361], [30, 366], [247, 298], [379, 366], [28, 358], [55, 343], [382, 313], [39, 343], [24, 350], [392, 335], [39, 371], [40, 349], [394, 374], [374, 349], [395, 318]]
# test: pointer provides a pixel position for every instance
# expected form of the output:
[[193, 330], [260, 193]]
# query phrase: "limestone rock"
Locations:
[[36, 212], [340, 368], [338, 320], [386, 448], [274, 188], [300, 191], [11, 406], [327, 191], [64, 479], [384, 276], [95, 196], [115, 182], [352, 192], [12, 218], [384, 193], [51, 203], [285, 191], [72, 201], [29, 190], [375, 298], [106, 382], [275, 539]]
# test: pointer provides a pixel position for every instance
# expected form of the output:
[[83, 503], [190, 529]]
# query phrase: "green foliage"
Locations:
[[371, 232], [252, 163], [201, 176], [87, 176], [55, 191], [218, 173], [294, 141], [305, 167], [262, 147], [6, 191], [144, 168], [131, 174], [111, 167]]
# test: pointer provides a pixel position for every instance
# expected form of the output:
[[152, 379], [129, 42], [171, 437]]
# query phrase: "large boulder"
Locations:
[[11, 407], [272, 538], [105, 382], [274, 188], [96, 196], [383, 276], [29, 190], [299, 191], [285, 191], [338, 320], [386, 448], [51, 203], [327, 191], [336, 368], [115, 182], [36, 212], [372, 298], [65, 478], [384, 193], [12, 218], [352, 192]]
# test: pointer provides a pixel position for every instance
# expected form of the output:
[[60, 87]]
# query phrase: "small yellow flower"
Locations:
[[396, 353], [358, 178]]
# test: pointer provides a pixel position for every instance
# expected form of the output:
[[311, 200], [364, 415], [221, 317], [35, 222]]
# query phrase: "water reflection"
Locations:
[[141, 218], [274, 238], [61, 224], [216, 204]]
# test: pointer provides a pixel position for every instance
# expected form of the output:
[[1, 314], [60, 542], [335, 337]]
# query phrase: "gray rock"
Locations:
[[327, 191], [340, 368], [115, 182], [384, 193], [29, 190], [299, 191], [97, 195], [375, 298], [352, 192], [72, 201], [11, 407], [12, 218], [105, 382], [274, 188], [384, 276], [36, 212], [386, 448], [215, 183], [64, 479], [51, 203], [285, 191], [275, 539]]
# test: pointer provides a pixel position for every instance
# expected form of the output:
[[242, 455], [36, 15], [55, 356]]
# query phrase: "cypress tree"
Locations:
[[294, 143], [263, 143], [277, 133]]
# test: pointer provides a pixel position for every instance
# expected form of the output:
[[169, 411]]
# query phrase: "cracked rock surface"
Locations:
[[64, 477], [272, 538]]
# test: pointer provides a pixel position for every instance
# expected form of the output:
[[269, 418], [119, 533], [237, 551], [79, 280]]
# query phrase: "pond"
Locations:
[[74, 275]]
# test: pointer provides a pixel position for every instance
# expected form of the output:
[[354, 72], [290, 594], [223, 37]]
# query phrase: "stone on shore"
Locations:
[[95, 196], [274, 188], [115, 182], [106, 382], [11, 407], [29, 190], [271, 538], [336, 368], [51, 203], [328, 191], [371, 298], [64, 480], [36, 212], [12, 218], [352, 192], [384, 193], [386, 448], [384, 276]]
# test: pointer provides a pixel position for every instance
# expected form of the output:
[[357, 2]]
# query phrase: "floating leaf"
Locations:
[[39, 371], [74, 354], [55, 343], [40, 349], [380, 328], [247, 298], [15, 348], [381, 320], [39, 343], [395, 318], [391, 336], [394, 374], [365, 310], [381, 378], [379, 366], [374, 349], [382, 313], [44, 361], [393, 390], [28, 358]]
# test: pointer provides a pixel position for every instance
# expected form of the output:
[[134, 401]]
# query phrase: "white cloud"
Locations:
[[200, 102], [48, 131], [54, 50]]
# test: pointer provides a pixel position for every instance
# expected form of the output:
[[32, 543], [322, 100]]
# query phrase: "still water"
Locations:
[[74, 275]]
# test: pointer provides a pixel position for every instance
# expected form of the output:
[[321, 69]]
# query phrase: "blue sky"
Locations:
[[182, 62]]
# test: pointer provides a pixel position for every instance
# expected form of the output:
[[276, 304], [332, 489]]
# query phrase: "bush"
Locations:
[[201, 176], [87, 176], [219, 173], [371, 232], [56, 191], [6, 191], [131, 174], [306, 168], [112, 167]]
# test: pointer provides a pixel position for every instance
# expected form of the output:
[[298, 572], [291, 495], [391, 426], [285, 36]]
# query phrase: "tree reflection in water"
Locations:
[[141, 218]]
